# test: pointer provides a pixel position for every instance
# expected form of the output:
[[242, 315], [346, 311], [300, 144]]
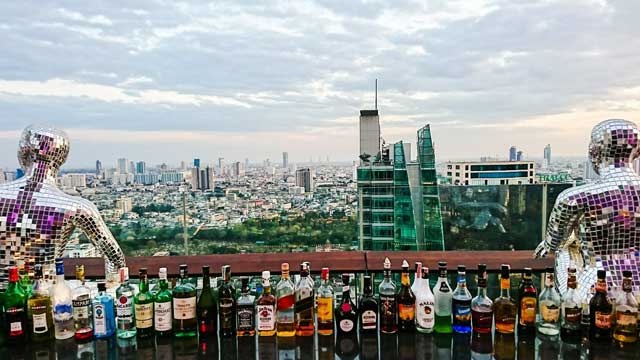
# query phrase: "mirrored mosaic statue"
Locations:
[[597, 225], [36, 218]]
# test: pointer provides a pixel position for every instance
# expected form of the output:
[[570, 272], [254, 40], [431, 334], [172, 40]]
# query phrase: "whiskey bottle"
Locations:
[[406, 302], [39, 309], [425, 304], [444, 298], [461, 304], [82, 307], [162, 306], [325, 304], [505, 307], [482, 306], [143, 306], [124, 307], [601, 311], [549, 302], [62, 305], [626, 328], [368, 308], [184, 306], [304, 307], [206, 308], [527, 305], [346, 312], [387, 301], [266, 308], [227, 304], [246, 317], [571, 310], [285, 291]]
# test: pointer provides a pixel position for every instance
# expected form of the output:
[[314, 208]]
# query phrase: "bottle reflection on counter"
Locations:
[[406, 346], [246, 347], [185, 348], [526, 348], [504, 346], [86, 351], [388, 346], [461, 346], [126, 348], [547, 347], [164, 348], [368, 346], [304, 347], [347, 346], [286, 348], [443, 346], [326, 347], [424, 346], [228, 348], [267, 348], [481, 346], [104, 349], [570, 350], [37, 351]]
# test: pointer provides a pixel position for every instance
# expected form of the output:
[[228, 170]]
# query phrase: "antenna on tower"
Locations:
[[376, 94]]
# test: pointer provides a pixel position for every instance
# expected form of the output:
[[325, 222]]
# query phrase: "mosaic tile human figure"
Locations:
[[597, 225], [36, 218]]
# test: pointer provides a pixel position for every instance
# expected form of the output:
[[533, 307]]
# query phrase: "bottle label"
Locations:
[[266, 320], [572, 315], [40, 323], [226, 314], [304, 300], [407, 312], [626, 315], [369, 319], [444, 287], [184, 308], [81, 308], [144, 315], [124, 308], [162, 316], [388, 307], [346, 325], [16, 327], [286, 302], [325, 309], [528, 311], [549, 311], [462, 313], [245, 318], [99, 321], [62, 312], [603, 320], [425, 315]]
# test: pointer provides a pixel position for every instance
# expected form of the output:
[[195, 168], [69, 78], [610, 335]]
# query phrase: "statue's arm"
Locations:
[[564, 220]]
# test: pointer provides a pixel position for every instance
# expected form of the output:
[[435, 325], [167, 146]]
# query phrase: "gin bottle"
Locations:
[[104, 319], [82, 307]]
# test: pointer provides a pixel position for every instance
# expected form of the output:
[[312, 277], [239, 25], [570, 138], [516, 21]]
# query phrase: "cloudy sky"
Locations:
[[166, 81]]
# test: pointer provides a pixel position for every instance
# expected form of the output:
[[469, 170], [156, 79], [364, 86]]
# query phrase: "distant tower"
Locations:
[[123, 165], [547, 156], [513, 153], [196, 162], [285, 159], [519, 155], [304, 179], [98, 167], [141, 167], [221, 166]]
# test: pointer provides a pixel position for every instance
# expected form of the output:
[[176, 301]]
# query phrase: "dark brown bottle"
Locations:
[[527, 305], [601, 311], [406, 302], [346, 312]]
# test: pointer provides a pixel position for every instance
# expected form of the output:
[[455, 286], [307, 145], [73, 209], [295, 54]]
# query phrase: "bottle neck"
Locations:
[[164, 285], [601, 286], [266, 289], [571, 282], [60, 279], [285, 274], [405, 278], [144, 284], [206, 281], [462, 281], [387, 274], [627, 285], [346, 294], [505, 286], [548, 281]]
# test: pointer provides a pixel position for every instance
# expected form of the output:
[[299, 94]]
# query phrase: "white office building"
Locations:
[[491, 173]]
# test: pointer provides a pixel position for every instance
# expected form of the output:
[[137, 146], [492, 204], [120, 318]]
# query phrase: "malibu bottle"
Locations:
[[387, 302]]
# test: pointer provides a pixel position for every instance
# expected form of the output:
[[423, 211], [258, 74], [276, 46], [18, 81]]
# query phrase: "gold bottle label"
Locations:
[[528, 311]]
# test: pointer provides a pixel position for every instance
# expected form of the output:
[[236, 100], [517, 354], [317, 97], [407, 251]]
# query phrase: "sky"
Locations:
[[165, 81]]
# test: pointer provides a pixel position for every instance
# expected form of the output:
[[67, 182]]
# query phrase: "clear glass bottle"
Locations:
[[304, 307], [227, 304], [425, 304], [461, 304], [143, 306], [406, 302], [482, 306], [388, 302], [527, 305], [124, 306], [285, 292], [368, 309], [62, 305], [571, 310], [104, 318], [444, 298], [601, 311], [15, 318], [82, 313], [626, 327], [505, 307], [586, 314], [162, 306], [206, 307], [39, 309], [325, 304], [185, 320], [346, 312], [549, 302], [416, 279], [266, 308], [246, 316]]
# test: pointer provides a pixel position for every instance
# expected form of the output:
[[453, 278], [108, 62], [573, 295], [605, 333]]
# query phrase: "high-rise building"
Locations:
[[246, 163], [238, 169], [132, 167], [98, 167], [124, 204], [304, 179], [221, 166], [202, 179], [285, 159], [547, 156], [196, 162], [141, 167], [369, 136], [519, 155], [123, 166], [73, 181], [513, 153]]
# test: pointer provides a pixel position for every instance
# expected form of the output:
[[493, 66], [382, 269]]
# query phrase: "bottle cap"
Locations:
[[124, 274], [184, 266], [528, 271], [142, 271], [387, 264], [325, 274], [482, 268], [626, 273], [462, 268], [504, 271], [405, 265], [442, 265], [303, 267], [548, 270], [80, 268], [346, 278], [59, 261], [102, 286], [244, 281], [226, 270], [162, 273], [571, 269], [602, 274], [284, 267], [425, 272], [205, 269], [418, 267]]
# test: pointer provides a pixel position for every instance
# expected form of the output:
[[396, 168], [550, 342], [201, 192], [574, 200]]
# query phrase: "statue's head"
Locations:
[[613, 142], [44, 145]]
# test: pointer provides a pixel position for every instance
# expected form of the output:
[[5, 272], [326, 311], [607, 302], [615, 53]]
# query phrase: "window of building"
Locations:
[[448, 173], [458, 174], [457, 167]]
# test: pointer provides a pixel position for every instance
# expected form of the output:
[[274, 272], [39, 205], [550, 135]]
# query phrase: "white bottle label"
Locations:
[[425, 314], [16, 326], [144, 315], [266, 318], [39, 323], [124, 308], [184, 308], [346, 325], [99, 322], [81, 308], [162, 313], [369, 320]]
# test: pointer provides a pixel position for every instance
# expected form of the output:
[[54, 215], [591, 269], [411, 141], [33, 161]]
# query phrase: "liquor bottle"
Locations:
[[416, 279], [124, 306], [585, 322], [406, 302], [14, 301], [527, 305], [425, 304], [82, 313], [162, 306], [304, 306], [626, 328], [39, 309], [325, 304], [346, 312], [143, 306], [206, 307], [505, 307], [266, 308], [571, 310], [227, 304], [444, 298], [309, 272], [25, 280], [62, 305], [387, 302], [482, 306], [285, 293], [368, 308], [184, 306], [246, 310], [104, 319], [461, 304], [549, 302]]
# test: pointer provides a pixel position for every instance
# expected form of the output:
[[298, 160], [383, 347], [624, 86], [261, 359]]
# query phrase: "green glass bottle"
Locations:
[[143, 306], [206, 308], [25, 280], [162, 306], [184, 306], [15, 317], [39, 309]]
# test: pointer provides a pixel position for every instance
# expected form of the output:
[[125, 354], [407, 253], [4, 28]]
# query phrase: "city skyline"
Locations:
[[492, 73]]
